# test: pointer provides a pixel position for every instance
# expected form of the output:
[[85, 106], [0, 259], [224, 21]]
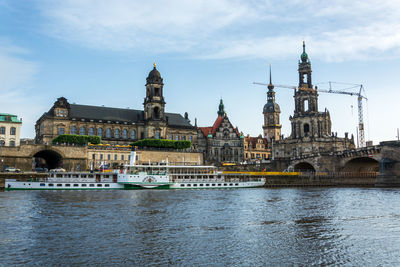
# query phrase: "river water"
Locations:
[[240, 227]]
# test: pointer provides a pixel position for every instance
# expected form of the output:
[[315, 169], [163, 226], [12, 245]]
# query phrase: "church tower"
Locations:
[[271, 111], [154, 103], [307, 121]]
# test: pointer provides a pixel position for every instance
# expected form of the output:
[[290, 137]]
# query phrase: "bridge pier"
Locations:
[[389, 165]]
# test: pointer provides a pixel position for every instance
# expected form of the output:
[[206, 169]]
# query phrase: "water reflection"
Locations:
[[201, 227]]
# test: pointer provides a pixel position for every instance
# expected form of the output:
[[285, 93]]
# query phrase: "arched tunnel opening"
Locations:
[[47, 159], [362, 164], [304, 167]]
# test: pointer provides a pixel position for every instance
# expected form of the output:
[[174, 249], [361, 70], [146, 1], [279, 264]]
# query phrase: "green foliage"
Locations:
[[76, 139], [162, 143]]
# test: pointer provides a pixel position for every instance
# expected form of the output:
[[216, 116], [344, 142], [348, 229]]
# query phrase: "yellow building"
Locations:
[[256, 149], [10, 130]]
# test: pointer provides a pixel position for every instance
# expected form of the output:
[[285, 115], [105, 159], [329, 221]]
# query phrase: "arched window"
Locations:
[[157, 135], [156, 112], [3, 130], [116, 133], [306, 128], [108, 133], [133, 134], [82, 130], [125, 134], [12, 130], [100, 132], [2, 142], [73, 130], [12, 143], [91, 131]]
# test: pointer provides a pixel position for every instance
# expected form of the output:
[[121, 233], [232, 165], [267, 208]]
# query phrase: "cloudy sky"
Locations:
[[99, 52]]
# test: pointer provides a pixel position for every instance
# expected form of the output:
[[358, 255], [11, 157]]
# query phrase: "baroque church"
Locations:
[[117, 125], [311, 130], [220, 142]]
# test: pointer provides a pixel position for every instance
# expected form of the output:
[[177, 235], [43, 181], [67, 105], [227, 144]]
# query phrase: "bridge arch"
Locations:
[[47, 158], [304, 167], [361, 164]]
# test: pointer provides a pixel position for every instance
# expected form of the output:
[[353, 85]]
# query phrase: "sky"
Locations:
[[99, 52]]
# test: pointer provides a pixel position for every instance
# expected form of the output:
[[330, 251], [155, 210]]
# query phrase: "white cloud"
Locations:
[[17, 76], [337, 30]]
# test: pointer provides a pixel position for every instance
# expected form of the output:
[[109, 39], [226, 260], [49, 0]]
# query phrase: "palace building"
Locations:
[[311, 130], [117, 125], [221, 142], [10, 129]]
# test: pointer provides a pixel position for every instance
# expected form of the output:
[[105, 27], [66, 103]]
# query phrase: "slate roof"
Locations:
[[120, 114]]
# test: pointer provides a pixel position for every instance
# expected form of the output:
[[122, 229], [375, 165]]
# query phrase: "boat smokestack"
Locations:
[[132, 160]]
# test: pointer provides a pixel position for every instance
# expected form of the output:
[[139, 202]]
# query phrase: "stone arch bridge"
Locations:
[[28, 156], [383, 159]]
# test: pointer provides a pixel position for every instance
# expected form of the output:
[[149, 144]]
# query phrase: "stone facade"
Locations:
[[311, 129], [256, 149], [221, 142], [116, 125], [10, 130]]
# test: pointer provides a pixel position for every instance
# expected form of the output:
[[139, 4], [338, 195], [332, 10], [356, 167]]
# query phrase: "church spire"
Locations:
[[221, 111]]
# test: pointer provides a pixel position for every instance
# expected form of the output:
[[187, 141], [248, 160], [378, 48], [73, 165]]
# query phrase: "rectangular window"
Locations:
[[122, 157], [176, 137], [83, 185], [101, 156], [2, 130], [12, 130], [171, 137], [60, 131], [62, 113], [115, 157], [109, 157]]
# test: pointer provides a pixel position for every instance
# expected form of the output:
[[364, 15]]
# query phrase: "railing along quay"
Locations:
[[321, 179]]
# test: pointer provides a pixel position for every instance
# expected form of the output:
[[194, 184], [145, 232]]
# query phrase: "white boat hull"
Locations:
[[26, 185]]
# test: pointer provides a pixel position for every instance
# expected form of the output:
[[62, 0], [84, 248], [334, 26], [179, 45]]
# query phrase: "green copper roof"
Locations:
[[5, 117], [304, 56]]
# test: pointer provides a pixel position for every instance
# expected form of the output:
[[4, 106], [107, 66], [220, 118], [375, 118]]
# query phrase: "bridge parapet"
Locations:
[[389, 165]]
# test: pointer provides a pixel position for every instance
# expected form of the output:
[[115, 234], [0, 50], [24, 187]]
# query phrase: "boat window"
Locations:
[[59, 184], [189, 185], [195, 185], [106, 176], [59, 175], [90, 176], [236, 184], [219, 184], [42, 184], [91, 185], [83, 175], [99, 185], [207, 184], [230, 184], [213, 184], [107, 185], [201, 185], [225, 184], [51, 184], [182, 185], [76, 185], [83, 185], [67, 185], [75, 175]]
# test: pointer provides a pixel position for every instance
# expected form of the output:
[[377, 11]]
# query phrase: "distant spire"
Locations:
[[270, 85], [270, 76], [221, 111], [154, 64], [304, 46]]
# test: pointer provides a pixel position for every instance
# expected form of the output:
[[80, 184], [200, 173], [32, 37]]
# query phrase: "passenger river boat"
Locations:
[[143, 177]]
